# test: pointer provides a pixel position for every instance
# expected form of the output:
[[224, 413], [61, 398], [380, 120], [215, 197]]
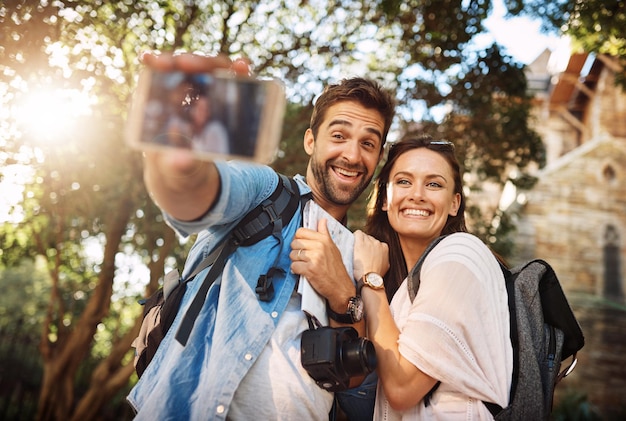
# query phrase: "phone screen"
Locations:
[[214, 116]]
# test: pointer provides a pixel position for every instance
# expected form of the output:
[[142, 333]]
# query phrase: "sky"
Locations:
[[520, 36]]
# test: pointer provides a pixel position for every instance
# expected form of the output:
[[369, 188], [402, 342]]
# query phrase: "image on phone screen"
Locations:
[[210, 115]]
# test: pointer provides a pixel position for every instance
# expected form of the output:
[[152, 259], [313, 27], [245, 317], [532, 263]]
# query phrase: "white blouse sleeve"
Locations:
[[457, 329]]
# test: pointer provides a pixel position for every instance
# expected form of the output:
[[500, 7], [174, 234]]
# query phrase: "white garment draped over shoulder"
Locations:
[[456, 331]]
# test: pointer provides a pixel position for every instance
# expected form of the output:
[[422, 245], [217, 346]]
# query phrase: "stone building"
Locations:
[[575, 216]]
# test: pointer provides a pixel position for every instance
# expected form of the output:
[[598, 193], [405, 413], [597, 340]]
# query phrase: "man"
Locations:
[[242, 358]]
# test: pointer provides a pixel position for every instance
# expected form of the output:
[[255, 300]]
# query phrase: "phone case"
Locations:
[[216, 116]]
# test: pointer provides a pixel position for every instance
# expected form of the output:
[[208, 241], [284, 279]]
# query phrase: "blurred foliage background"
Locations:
[[81, 239]]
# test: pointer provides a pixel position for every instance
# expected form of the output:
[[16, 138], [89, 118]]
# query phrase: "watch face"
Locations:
[[356, 309], [374, 280]]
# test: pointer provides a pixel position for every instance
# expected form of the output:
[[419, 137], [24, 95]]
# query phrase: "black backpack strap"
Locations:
[[414, 278], [513, 336], [267, 218], [278, 219], [196, 305], [429, 395], [271, 215], [493, 408]]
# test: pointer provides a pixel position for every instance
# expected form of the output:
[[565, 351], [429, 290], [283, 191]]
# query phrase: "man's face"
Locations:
[[344, 154]]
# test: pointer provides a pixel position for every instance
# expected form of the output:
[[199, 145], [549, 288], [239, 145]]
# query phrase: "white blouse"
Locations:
[[456, 331]]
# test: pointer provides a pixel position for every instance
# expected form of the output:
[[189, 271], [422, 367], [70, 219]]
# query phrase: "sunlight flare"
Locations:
[[51, 114]]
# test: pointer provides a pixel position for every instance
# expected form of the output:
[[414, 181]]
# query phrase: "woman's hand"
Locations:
[[370, 255]]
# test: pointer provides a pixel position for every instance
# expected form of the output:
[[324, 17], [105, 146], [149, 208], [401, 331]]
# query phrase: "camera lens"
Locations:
[[357, 357], [332, 356]]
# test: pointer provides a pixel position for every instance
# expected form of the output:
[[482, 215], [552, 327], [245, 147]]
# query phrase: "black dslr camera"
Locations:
[[332, 356]]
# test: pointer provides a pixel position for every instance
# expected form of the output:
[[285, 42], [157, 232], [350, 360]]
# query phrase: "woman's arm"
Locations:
[[404, 384]]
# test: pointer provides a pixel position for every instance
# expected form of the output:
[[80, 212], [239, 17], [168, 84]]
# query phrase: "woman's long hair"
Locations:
[[378, 225]]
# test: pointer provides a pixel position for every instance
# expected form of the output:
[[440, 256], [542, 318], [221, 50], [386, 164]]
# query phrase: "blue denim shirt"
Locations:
[[198, 381]]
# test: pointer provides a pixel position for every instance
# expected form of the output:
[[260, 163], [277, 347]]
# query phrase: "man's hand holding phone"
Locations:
[[168, 122], [209, 105], [194, 63]]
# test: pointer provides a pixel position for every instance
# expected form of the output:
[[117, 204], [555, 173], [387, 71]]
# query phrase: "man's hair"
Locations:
[[366, 92]]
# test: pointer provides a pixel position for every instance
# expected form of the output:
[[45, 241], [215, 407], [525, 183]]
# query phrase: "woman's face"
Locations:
[[200, 111], [420, 195]]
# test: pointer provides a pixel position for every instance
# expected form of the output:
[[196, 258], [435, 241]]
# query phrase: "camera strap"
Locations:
[[313, 322], [266, 219]]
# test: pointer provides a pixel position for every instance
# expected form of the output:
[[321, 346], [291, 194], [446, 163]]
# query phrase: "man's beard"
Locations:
[[327, 186]]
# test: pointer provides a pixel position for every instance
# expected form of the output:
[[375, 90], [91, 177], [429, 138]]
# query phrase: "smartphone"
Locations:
[[215, 115]]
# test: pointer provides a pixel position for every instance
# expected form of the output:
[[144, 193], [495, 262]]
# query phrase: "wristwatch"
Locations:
[[370, 279], [353, 314]]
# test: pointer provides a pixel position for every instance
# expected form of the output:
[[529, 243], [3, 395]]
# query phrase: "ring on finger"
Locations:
[[299, 253]]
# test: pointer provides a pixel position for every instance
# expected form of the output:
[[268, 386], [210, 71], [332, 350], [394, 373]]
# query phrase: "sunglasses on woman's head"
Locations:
[[441, 143]]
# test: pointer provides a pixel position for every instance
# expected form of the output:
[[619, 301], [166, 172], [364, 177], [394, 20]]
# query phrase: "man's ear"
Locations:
[[309, 142]]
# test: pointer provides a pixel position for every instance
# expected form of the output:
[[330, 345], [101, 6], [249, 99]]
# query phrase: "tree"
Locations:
[[22, 307], [596, 26], [86, 188]]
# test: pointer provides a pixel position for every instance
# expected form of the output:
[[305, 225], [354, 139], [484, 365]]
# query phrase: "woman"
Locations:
[[208, 134], [456, 331]]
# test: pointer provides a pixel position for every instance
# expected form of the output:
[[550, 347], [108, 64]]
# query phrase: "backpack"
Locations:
[[544, 332], [161, 308]]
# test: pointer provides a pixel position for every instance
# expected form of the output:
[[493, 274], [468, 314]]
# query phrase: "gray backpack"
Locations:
[[544, 332]]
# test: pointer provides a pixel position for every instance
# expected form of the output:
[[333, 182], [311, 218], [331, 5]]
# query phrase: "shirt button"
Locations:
[[274, 314], [248, 357], [220, 409]]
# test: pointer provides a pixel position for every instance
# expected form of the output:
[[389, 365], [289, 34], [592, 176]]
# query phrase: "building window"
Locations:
[[609, 173], [612, 273]]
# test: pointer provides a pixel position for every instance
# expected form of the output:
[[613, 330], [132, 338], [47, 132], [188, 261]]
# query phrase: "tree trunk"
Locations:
[[110, 375], [62, 358], [107, 379], [57, 392]]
